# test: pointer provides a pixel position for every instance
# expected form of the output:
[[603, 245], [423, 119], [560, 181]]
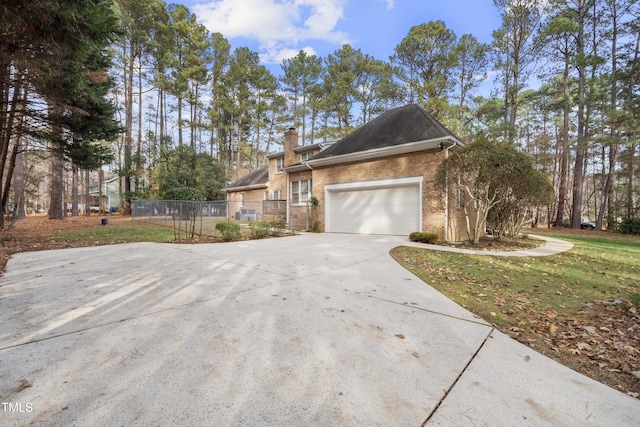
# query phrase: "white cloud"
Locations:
[[390, 3], [276, 55], [277, 25]]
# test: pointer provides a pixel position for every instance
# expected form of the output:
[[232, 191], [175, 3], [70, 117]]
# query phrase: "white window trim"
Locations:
[[280, 169], [309, 192]]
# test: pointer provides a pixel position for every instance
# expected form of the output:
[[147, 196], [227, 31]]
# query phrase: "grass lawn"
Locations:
[[132, 231], [139, 231], [579, 307]]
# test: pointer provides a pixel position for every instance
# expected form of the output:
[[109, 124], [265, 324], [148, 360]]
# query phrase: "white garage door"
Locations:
[[374, 207]]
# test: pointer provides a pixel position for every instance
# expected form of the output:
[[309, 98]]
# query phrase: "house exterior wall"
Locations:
[[300, 214], [423, 164], [277, 181], [250, 196], [250, 209]]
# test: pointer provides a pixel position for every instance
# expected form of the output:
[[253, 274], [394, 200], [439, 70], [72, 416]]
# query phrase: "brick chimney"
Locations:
[[290, 142]]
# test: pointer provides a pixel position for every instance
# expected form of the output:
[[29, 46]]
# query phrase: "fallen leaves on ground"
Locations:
[[601, 341], [23, 384]]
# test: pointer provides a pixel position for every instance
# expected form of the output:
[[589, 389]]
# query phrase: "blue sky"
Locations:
[[278, 29]]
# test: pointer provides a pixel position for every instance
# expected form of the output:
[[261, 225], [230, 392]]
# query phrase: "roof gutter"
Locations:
[[410, 147], [245, 188]]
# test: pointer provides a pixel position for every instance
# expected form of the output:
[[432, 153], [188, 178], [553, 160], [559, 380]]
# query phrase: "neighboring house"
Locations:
[[110, 193], [378, 180]]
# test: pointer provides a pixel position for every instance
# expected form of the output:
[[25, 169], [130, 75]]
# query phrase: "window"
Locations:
[[241, 199], [306, 156], [279, 164], [277, 195], [300, 191], [266, 195]]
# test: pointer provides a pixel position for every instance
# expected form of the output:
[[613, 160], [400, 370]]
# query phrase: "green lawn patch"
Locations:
[[581, 307], [599, 268], [131, 232]]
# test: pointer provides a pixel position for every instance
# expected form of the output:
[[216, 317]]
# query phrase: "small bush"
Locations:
[[630, 226], [260, 229], [278, 226], [229, 230], [418, 236]]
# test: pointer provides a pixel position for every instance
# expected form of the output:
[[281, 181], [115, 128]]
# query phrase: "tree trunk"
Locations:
[[12, 162], [8, 129], [238, 148], [304, 117], [56, 208], [180, 120], [18, 177], [564, 155], [139, 142], [614, 147], [128, 139], [578, 177], [87, 202], [631, 200], [75, 200]]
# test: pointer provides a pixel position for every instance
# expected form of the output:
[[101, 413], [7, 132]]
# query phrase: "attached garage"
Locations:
[[389, 206]]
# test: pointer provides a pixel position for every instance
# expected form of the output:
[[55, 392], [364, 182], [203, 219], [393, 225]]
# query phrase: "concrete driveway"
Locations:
[[316, 329]]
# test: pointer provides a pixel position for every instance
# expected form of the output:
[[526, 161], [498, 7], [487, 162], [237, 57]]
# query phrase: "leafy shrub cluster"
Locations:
[[183, 193], [229, 230], [277, 227], [421, 237], [630, 226], [261, 229]]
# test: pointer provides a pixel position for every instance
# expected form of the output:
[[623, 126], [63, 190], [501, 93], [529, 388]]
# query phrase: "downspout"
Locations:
[[288, 199], [311, 169]]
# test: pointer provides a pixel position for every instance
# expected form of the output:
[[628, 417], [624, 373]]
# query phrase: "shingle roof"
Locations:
[[399, 126], [255, 178]]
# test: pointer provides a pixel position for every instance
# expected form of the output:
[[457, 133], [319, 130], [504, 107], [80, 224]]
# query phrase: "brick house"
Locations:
[[380, 179]]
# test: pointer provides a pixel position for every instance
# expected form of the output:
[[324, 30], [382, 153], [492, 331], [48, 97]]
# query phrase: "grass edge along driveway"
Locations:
[[580, 307]]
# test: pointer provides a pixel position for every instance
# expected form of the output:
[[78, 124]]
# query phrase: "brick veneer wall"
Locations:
[[423, 163], [249, 195], [277, 181], [300, 215]]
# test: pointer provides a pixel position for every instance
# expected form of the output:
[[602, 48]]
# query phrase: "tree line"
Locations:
[[179, 90]]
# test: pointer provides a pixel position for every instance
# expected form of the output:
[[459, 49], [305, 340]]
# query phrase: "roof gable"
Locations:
[[395, 127], [256, 179]]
